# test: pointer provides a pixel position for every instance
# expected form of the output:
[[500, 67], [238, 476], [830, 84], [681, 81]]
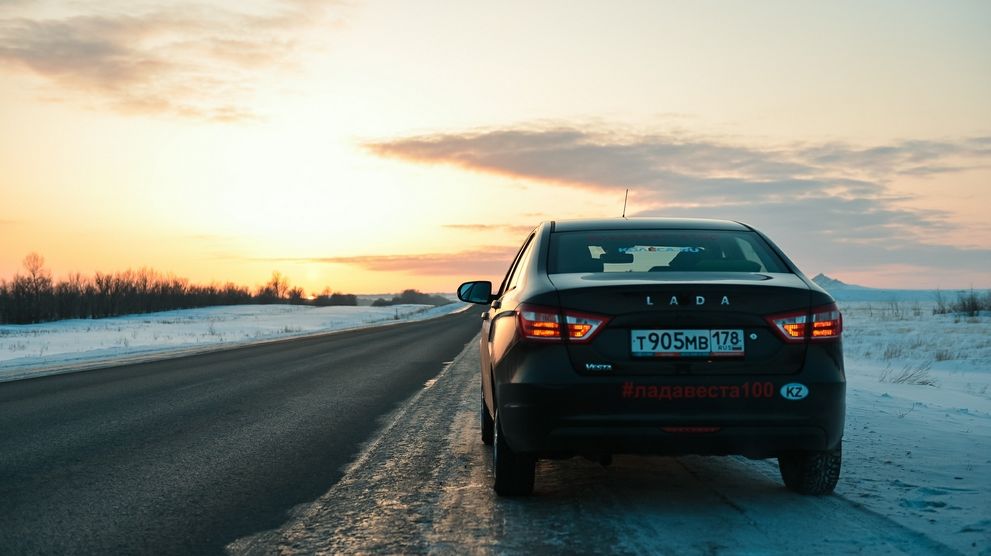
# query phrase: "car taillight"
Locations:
[[826, 324], [582, 327], [539, 323], [544, 324], [790, 326]]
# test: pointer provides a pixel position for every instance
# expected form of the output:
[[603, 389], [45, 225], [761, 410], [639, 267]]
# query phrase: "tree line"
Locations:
[[411, 297], [36, 297]]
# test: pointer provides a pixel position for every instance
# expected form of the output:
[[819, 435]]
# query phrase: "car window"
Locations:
[[521, 267], [748, 251], [504, 287], [661, 251]]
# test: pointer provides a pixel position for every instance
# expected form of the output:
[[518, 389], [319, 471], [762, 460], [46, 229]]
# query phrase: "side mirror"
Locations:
[[476, 292]]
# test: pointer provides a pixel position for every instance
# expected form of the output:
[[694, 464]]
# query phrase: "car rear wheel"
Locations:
[[514, 472], [811, 472], [488, 425]]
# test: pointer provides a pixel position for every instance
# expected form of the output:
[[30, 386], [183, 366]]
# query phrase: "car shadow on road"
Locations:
[[630, 506]]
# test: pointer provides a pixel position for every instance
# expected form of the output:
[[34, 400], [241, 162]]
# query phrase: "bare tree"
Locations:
[[275, 290], [279, 285], [35, 265], [296, 296], [37, 288]]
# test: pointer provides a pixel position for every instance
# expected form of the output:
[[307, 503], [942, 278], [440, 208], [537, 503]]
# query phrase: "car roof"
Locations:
[[587, 224]]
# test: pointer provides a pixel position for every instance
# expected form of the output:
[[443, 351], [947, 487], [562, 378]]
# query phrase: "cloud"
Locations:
[[191, 61], [676, 165], [830, 202], [905, 158], [486, 261]]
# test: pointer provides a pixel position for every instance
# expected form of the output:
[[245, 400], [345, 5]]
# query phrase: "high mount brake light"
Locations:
[[544, 324], [826, 324]]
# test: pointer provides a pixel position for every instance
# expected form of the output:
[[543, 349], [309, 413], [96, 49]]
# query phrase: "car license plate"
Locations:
[[687, 343]]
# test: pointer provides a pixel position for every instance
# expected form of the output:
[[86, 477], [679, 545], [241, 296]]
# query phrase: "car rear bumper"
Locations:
[[714, 415]]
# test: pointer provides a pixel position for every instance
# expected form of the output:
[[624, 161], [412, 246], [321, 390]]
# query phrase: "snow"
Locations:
[[917, 444], [917, 457], [885, 341], [56, 347], [919, 451]]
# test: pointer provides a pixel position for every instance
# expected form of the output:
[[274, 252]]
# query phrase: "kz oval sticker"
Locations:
[[794, 391]]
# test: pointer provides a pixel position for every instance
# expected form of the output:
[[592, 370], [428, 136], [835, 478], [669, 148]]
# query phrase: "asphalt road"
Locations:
[[186, 455]]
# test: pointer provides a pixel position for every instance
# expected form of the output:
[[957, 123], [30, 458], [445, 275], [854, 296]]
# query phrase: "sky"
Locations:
[[373, 146]]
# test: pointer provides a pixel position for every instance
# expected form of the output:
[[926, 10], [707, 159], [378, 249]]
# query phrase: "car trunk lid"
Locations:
[[684, 302]]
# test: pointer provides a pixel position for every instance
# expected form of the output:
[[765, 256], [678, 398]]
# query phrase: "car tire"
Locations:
[[488, 425], [514, 472], [814, 473]]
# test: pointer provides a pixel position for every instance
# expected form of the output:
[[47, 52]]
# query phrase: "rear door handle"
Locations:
[[496, 304], [485, 315]]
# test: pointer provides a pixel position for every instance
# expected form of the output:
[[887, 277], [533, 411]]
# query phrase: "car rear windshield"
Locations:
[[661, 251]]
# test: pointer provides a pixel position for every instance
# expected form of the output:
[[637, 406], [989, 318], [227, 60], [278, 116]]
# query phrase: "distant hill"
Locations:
[[826, 283], [370, 298], [851, 292]]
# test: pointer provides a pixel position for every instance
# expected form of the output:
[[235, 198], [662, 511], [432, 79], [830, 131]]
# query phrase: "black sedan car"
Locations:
[[659, 336]]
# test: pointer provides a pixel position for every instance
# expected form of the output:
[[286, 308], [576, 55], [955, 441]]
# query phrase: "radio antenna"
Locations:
[[625, 197]]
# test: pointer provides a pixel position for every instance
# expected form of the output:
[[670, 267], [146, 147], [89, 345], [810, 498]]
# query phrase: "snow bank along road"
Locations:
[[424, 485], [185, 455], [33, 350]]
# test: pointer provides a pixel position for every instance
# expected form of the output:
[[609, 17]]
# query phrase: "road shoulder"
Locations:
[[424, 485]]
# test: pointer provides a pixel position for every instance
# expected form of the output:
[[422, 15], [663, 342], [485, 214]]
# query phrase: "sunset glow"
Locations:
[[376, 146]]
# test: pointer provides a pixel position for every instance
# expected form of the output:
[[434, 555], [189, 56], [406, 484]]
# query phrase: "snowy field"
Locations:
[[39, 349], [905, 343], [918, 432]]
